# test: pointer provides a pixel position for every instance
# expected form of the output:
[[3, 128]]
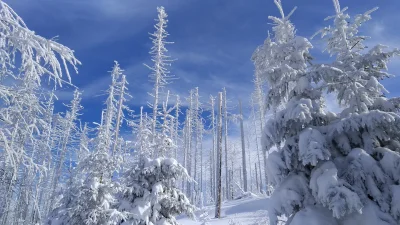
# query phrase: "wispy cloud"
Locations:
[[100, 21], [214, 41]]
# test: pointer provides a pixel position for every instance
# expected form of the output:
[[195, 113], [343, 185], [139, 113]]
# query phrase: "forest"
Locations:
[[195, 159]]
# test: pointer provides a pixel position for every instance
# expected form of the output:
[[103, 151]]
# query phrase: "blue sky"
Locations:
[[214, 40]]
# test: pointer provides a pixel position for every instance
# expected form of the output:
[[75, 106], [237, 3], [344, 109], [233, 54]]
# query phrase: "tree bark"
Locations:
[[219, 158], [243, 148]]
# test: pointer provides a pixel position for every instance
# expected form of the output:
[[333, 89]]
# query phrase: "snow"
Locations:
[[312, 147], [330, 191], [314, 215], [371, 216], [326, 168], [251, 209], [395, 201]]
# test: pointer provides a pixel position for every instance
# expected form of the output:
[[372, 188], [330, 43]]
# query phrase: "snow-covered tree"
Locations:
[[256, 135], [302, 106], [363, 140], [151, 195], [143, 136], [166, 145], [198, 130], [67, 129], [331, 168], [89, 197], [261, 58], [176, 126], [23, 109], [123, 96], [26, 59], [188, 133], [159, 70]]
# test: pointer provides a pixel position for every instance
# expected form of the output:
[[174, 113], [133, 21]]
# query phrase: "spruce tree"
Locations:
[[151, 195], [336, 169]]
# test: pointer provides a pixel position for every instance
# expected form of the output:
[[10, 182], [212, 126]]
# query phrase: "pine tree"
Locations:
[[151, 195], [338, 168], [90, 194], [290, 87], [89, 198], [143, 136], [363, 139]]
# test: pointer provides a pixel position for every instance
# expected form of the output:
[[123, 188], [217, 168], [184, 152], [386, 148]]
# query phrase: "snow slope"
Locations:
[[248, 210]]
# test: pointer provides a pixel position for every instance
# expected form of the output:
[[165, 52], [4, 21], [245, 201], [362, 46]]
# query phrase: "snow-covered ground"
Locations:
[[248, 210]]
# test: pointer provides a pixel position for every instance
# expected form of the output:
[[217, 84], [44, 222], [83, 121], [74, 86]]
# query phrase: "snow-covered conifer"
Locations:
[[335, 166], [151, 195], [362, 140], [143, 136], [122, 92], [67, 129], [160, 74], [297, 105], [89, 198]]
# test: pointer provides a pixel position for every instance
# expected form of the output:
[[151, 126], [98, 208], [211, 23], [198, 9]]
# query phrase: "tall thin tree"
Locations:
[[243, 148], [160, 75], [219, 159]]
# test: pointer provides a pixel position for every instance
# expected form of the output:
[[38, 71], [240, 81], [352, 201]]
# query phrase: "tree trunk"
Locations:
[[257, 147], [176, 126], [255, 167], [121, 101], [219, 159], [226, 145], [214, 152], [243, 148]]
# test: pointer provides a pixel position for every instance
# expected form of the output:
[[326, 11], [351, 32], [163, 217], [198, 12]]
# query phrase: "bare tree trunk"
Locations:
[[257, 147], [195, 116], [212, 174], [214, 152], [231, 182], [201, 169], [226, 145], [251, 180], [241, 177], [255, 167], [177, 126], [141, 131], [189, 150], [185, 148], [243, 148], [219, 159], [260, 97], [119, 113]]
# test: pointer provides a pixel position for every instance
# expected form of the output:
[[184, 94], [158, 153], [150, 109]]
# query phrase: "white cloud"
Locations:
[[101, 21]]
